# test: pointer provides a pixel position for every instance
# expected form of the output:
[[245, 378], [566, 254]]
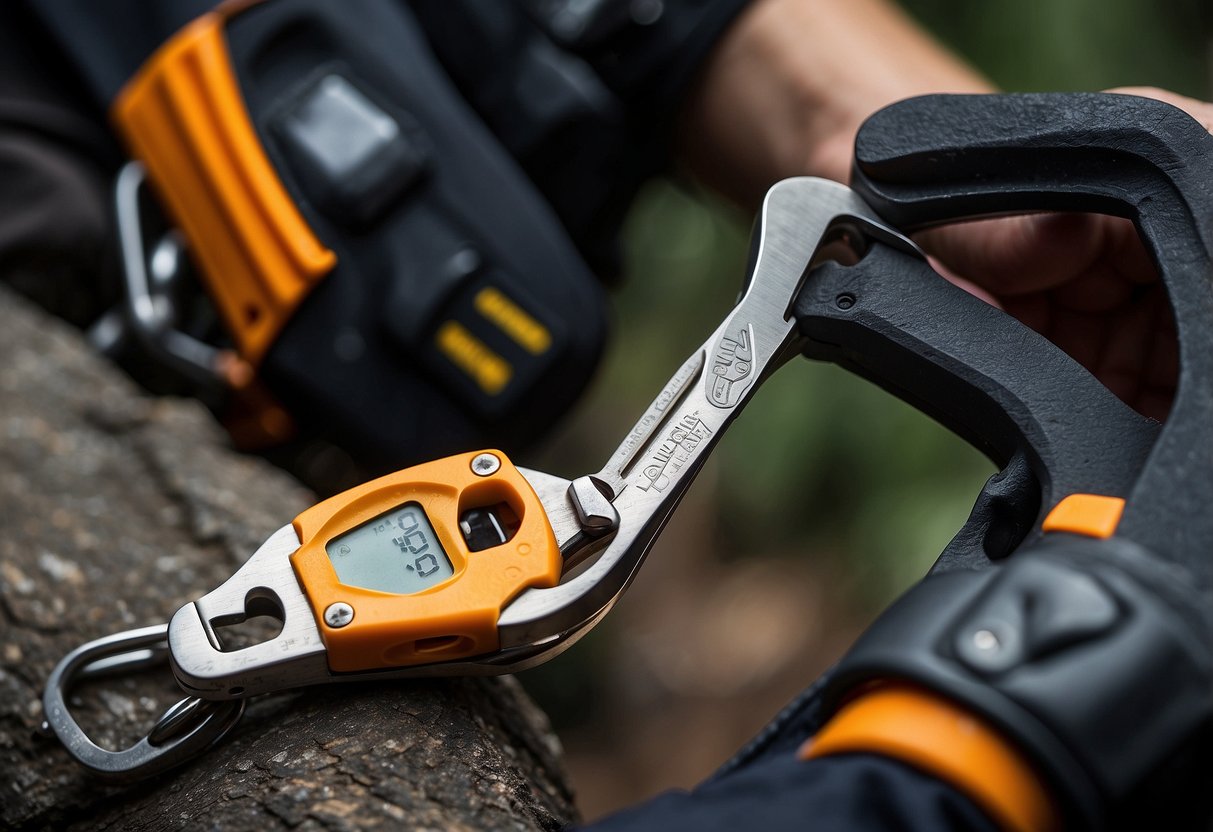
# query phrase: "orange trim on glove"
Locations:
[[946, 741], [1093, 515]]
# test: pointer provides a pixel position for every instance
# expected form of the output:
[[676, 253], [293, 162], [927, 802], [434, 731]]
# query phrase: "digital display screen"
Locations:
[[396, 552]]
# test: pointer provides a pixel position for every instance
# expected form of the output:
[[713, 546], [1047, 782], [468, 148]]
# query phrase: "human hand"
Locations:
[[783, 96], [1084, 281]]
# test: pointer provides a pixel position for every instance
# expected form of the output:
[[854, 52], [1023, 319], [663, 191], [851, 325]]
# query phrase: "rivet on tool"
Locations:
[[844, 301], [985, 641], [485, 465], [339, 614]]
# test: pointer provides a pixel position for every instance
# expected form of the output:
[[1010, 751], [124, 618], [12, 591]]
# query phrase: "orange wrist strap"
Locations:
[[946, 741]]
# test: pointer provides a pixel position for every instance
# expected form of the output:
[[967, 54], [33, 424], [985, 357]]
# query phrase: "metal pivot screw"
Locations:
[[594, 511], [484, 465], [985, 641], [844, 301], [339, 614]]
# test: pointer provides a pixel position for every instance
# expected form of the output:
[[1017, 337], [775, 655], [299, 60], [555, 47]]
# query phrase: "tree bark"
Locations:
[[116, 509]]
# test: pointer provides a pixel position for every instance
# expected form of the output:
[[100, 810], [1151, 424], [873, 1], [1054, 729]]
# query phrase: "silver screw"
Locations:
[[339, 614], [484, 465], [985, 641]]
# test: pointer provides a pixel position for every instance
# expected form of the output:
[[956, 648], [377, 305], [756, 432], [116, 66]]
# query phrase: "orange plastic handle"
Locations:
[[184, 116], [454, 619]]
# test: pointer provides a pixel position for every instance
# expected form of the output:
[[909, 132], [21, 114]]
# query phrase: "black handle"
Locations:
[[1051, 427], [938, 158]]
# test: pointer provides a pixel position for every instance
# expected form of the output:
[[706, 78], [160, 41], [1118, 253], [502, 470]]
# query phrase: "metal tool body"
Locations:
[[617, 512]]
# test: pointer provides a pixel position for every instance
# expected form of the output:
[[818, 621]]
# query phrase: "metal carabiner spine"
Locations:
[[187, 728]]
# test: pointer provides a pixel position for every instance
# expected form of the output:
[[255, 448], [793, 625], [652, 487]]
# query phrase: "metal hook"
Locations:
[[149, 275], [187, 728]]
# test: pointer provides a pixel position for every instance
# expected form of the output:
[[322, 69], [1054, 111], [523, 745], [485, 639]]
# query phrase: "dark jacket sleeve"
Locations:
[[848, 793], [583, 95]]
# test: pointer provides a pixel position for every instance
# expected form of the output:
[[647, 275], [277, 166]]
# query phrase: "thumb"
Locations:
[[1202, 111]]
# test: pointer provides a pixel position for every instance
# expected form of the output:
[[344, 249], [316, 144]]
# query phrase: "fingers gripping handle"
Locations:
[[1010, 392], [937, 158]]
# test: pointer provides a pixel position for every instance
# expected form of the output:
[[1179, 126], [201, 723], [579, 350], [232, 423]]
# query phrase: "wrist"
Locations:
[[787, 87]]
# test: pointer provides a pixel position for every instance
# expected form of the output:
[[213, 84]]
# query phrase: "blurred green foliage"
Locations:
[[1035, 45]]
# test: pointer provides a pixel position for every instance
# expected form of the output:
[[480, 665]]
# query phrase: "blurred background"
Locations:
[[828, 497]]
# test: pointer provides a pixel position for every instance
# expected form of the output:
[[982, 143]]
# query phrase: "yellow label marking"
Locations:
[[470, 354], [513, 320]]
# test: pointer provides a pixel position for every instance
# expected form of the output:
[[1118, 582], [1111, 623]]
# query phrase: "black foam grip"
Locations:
[[1006, 389], [939, 158]]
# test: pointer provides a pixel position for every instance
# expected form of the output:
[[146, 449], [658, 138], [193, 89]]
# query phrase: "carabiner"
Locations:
[[152, 273], [186, 728]]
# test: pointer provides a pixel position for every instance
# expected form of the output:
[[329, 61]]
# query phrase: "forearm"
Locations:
[[788, 86]]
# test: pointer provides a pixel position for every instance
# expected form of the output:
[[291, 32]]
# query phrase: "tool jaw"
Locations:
[[652, 468]]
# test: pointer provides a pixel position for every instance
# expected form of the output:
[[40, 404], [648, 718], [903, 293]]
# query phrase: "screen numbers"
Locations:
[[396, 552]]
